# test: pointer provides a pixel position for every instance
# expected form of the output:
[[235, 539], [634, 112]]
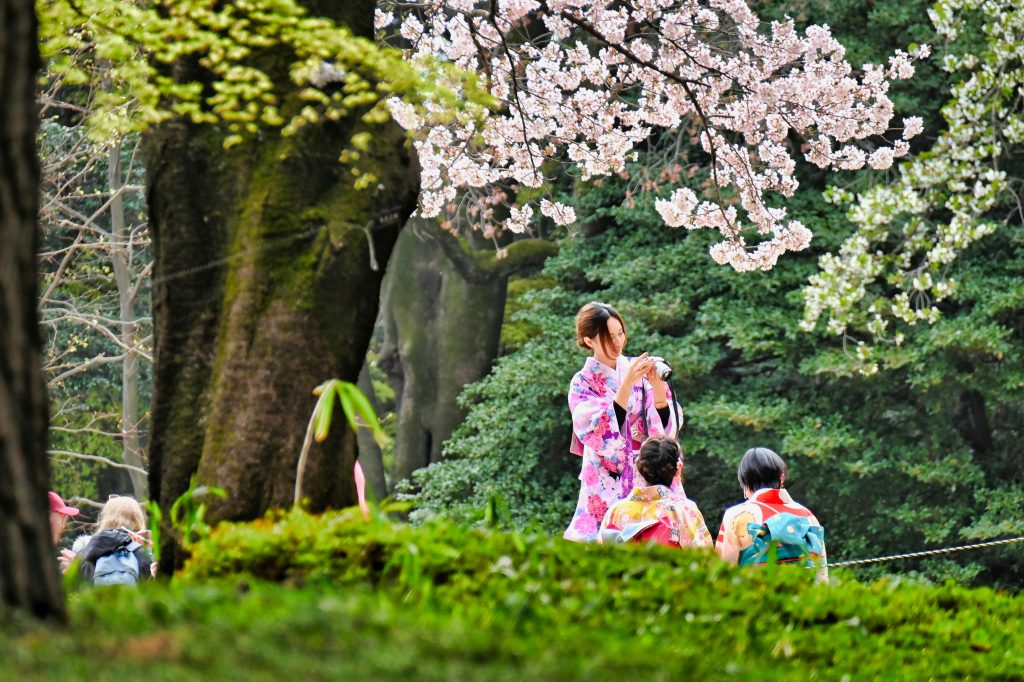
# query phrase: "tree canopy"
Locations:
[[899, 265]]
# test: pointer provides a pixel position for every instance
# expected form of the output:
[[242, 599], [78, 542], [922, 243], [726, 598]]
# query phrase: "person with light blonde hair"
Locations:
[[119, 512], [122, 512], [117, 553]]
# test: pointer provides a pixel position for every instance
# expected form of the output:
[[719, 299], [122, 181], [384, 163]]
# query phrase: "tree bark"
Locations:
[[370, 456], [130, 417], [445, 303], [264, 286], [28, 570]]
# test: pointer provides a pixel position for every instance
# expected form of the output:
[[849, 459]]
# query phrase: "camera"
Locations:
[[662, 368]]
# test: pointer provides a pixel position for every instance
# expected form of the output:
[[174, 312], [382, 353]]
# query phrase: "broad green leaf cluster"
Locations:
[[245, 65], [354, 404]]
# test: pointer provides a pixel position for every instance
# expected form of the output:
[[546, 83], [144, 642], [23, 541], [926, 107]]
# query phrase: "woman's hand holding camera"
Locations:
[[654, 378], [639, 368], [659, 385]]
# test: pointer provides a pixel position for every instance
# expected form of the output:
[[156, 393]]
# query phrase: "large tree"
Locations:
[[291, 257], [241, 344], [444, 305], [277, 187], [28, 571]]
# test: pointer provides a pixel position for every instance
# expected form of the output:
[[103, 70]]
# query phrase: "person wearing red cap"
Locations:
[[59, 513]]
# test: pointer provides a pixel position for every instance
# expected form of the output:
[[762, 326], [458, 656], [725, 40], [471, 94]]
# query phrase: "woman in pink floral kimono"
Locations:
[[616, 403]]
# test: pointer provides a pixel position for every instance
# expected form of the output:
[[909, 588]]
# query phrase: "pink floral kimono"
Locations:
[[609, 472]]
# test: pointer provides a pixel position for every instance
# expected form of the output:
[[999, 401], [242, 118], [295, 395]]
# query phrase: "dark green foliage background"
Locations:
[[923, 454]]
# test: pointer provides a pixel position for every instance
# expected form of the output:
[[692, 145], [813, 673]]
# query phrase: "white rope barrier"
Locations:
[[929, 552]]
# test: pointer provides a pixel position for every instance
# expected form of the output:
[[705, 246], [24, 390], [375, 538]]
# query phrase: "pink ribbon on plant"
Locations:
[[361, 491]]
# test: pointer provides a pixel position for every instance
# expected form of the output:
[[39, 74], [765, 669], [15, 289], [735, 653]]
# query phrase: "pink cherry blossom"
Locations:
[[601, 78], [560, 213], [912, 126]]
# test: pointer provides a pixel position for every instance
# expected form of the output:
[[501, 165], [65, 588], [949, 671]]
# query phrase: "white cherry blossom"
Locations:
[[941, 203]]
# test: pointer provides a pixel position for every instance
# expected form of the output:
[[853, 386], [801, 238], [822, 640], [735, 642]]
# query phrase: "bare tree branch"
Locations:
[[97, 458]]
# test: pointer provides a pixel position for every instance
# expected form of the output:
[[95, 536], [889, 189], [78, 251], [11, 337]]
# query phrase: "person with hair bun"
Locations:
[[616, 402], [655, 513]]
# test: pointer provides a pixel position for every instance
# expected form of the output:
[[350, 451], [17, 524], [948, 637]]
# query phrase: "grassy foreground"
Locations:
[[331, 597]]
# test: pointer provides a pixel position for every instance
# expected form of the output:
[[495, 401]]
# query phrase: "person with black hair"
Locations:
[[655, 512], [747, 527]]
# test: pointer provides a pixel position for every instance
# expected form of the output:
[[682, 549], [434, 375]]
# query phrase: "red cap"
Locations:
[[57, 505]]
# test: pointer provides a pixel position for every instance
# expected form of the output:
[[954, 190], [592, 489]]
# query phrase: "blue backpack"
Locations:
[[793, 537], [120, 567]]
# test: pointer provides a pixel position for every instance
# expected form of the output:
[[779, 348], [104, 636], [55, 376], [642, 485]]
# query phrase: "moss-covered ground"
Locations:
[[332, 597]]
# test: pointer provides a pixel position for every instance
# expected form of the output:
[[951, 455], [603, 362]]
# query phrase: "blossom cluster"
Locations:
[[585, 82], [941, 202]]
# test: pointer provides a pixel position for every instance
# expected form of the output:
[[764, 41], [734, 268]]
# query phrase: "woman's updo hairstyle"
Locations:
[[592, 321], [658, 460]]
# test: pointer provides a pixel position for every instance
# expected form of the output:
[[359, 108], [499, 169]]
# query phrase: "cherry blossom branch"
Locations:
[[515, 89], [656, 65]]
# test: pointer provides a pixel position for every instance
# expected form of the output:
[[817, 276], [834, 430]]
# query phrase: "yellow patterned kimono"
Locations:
[[656, 514]]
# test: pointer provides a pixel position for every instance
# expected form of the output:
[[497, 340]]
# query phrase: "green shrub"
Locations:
[[380, 601]]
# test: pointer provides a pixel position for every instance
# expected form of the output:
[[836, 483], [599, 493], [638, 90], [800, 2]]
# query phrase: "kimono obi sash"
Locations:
[[793, 537], [648, 530]]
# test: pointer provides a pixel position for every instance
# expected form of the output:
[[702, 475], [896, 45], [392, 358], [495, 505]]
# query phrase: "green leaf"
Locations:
[[346, 406], [323, 412]]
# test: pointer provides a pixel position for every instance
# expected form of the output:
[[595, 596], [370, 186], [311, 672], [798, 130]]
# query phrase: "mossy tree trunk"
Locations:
[[28, 569], [370, 456], [444, 306], [266, 283]]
